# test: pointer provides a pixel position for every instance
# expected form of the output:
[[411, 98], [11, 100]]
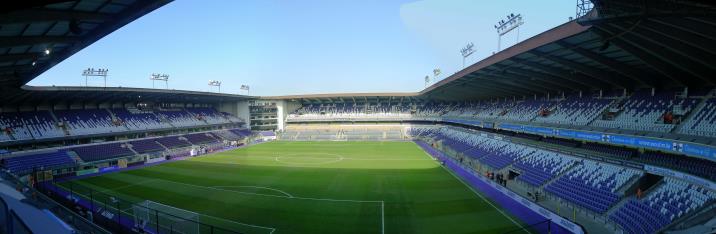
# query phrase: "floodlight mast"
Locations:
[[247, 88], [160, 77], [505, 26], [466, 52], [215, 83], [95, 72]]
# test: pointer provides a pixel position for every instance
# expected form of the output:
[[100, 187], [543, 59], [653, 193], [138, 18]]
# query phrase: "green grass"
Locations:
[[312, 187]]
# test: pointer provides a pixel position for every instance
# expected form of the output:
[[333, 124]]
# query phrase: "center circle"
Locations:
[[308, 158]]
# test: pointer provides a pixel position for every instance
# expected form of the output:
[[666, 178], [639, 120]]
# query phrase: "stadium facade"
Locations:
[[610, 116]]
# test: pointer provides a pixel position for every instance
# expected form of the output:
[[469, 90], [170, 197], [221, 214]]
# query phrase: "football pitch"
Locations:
[[310, 187]]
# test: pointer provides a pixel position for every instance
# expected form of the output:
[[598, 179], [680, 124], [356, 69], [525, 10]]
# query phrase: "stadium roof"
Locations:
[[351, 97], [59, 94], [625, 44], [622, 44], [29, 28]]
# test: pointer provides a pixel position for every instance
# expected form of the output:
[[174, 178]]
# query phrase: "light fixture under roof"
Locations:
[[47, 51]]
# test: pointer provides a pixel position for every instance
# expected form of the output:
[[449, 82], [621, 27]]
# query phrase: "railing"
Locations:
[[539, 227], [117, 214], [79, 223]]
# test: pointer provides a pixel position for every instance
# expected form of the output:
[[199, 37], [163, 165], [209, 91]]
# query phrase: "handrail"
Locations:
[[75, 219]]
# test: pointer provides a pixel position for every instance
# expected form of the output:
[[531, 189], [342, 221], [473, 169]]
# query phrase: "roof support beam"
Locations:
[[667, 41], [559, 76], [492, 88], [18, 68], [481, 80], [696, 39], [645, 54], [616, 66], [534, 87], [13, 57], [590, 71], [43, 15], [32, 40], [564, 74], [546, 78], [549, 82]]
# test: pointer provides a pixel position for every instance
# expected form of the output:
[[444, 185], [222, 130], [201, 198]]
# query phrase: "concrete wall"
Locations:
[[283, 108], [240, 109]]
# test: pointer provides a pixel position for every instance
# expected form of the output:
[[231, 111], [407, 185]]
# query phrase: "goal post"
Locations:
[[150, 215]]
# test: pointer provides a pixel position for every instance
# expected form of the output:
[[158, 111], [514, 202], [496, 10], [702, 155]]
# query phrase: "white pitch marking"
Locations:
[[382, 203], [267, 188], [125, 186], [478, 194], [213, 217]]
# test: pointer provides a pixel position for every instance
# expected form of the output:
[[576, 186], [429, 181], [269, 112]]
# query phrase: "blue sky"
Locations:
[[281, 47]]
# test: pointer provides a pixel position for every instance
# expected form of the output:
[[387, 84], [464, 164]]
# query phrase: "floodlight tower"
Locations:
[[160, 77], [95, 72], [247, 88], [215, 83], [466, 52], [505, 26]]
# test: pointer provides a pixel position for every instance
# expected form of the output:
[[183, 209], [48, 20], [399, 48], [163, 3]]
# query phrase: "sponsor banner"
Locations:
[[106, 169], [465, 122], [693, 149], [687, 148], [680, 175], [157, 159], [559, 220], [86, 172]]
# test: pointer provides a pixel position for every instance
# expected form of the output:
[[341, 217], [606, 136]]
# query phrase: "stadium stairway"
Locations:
[[131, 148], [614, 102], [75, 157], [165, 120], [625, 199], [691, 114], [203, 120], [567, 170], [629, 185]]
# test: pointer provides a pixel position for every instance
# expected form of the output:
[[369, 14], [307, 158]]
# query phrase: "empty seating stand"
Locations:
[[181, 118], [87, 122], [700, 167], [542, 166], [228, 135], [140, 120], [669, 201], [527, 110], [575, 111], [241, 132], [173, 142], [39, 161], [592, 185], [210, 115], [146, 146], [702, 123], [644, 112], [41, 124], [101, 152], [200, 138]]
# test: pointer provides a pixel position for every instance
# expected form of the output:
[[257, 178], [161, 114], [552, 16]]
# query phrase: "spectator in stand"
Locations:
[[668, 118]]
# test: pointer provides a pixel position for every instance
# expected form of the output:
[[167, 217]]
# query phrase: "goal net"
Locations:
[[150, 215]]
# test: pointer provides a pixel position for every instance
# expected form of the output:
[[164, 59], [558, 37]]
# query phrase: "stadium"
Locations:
[[603, 124]]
